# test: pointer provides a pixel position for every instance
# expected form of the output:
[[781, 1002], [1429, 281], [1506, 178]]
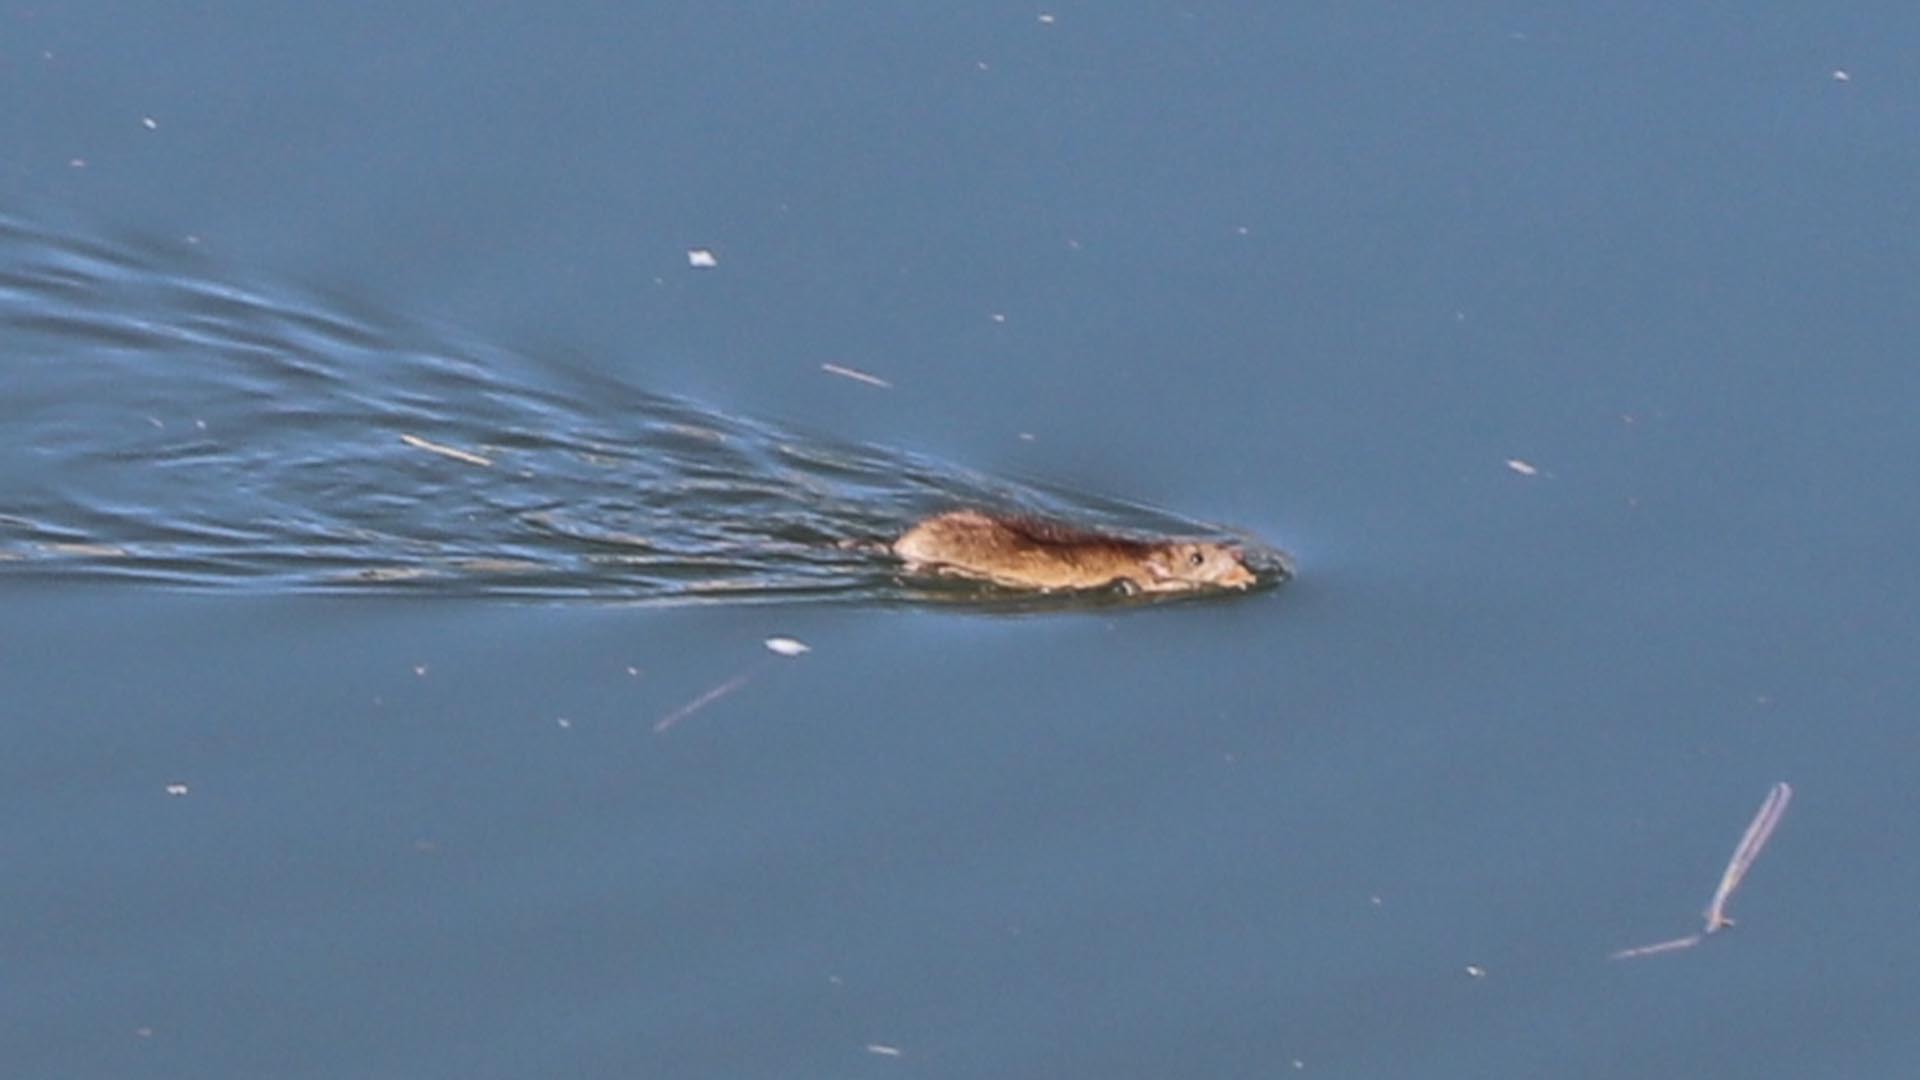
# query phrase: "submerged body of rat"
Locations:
[[1027, 553]]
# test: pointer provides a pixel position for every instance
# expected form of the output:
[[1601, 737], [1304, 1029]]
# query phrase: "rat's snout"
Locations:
[[1269, 562]]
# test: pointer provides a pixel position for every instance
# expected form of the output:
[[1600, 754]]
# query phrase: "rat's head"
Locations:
[[1198, 564]]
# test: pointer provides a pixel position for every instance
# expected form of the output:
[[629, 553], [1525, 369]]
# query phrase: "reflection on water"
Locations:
[[165, 426]]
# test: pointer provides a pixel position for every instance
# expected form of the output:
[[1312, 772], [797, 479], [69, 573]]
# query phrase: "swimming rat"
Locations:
[[1030, 553]]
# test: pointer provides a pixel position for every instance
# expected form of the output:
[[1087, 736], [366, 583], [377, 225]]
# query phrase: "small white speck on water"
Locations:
[[702, 258], [1476, 971], [1840, 75], [883, 1050], [787, 646], [176, 790], [1522, 467], [149, 123]]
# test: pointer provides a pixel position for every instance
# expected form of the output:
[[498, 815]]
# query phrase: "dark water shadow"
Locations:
[[163, 426]]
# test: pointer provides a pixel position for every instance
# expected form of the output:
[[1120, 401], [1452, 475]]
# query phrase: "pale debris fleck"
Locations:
[[149, 123], [176, 790], [997, 317], [787, 646], [1522, 467], [702, 258], [883, 1050], [444, 450], [1047, 18], [85, 551], [420, 670], [856, 375], [563, 721], [1476, 971], [1840, 75]]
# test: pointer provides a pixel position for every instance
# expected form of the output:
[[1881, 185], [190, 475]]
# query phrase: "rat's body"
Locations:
[[1026, 553]]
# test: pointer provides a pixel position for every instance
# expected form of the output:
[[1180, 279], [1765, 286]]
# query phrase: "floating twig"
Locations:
[[701, 702], [1687, 942], [1759, 831], [856, 376], [453, 452], [779, 646]]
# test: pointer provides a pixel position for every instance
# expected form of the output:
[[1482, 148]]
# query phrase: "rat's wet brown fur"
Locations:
[[1030, 553]]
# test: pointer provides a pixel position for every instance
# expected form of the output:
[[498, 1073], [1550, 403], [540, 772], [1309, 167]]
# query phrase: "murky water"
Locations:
[[172, 427]]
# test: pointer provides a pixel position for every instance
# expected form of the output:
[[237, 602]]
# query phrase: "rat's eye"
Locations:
[[1196, 560]]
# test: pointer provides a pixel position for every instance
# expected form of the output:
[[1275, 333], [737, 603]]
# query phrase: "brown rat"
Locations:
[[1028, 553]]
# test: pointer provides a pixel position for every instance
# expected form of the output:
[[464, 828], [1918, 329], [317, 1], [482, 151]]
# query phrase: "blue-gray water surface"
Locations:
[[1569, 352]]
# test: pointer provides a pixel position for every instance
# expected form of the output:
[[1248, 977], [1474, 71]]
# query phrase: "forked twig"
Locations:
[[1759, 831]]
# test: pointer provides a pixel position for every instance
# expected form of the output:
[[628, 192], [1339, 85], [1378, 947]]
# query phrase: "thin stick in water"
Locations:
[[701, 702], [1759, 831], [1687, 942], [443, 450], [856, 375]]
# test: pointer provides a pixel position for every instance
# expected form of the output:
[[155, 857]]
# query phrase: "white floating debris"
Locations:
[[1476, 971], [149, 123], [176, 790], [1521, 467], [883, 1050], [1840, 75], [563, 721], [997, 317], [1759, 830], [702, 258], [787, 646], [856, 376], [443, 450]]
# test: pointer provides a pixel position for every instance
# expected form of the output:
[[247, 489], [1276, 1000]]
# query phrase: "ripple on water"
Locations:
[[167, 427]]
